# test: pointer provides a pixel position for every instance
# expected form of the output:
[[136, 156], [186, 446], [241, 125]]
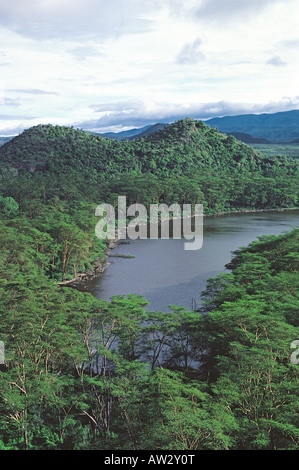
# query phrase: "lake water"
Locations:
[[164, 273]]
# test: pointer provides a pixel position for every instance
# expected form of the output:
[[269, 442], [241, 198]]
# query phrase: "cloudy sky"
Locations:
[[117, 64]]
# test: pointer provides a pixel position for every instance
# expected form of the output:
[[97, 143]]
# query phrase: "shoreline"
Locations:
[[245, 211], [83, 280]]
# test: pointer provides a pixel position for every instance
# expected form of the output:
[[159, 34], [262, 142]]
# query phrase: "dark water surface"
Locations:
[[164, 273]]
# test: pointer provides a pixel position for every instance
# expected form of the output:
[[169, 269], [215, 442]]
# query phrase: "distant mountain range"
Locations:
[[282, 127], [134, 133], [124, 135], [3, 140]]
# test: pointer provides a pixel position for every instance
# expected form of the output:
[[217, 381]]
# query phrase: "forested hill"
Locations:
[[186, 162], [183, 147]]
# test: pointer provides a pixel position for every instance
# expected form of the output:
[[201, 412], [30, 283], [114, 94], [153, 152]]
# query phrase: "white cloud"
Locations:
[[32, 91], [230, 10], [84, 52], [73, 19], [138, 113], [276, 61], [136, 62], [191, 53]]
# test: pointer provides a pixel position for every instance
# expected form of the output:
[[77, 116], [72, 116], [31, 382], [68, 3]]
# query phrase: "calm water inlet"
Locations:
[[164, 273]]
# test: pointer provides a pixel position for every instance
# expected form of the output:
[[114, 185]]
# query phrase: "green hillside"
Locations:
[[182, 147], [184, 162]]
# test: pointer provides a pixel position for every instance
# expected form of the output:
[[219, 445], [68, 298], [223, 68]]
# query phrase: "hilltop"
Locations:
[[282, 127], [180, 148], [185, 162]]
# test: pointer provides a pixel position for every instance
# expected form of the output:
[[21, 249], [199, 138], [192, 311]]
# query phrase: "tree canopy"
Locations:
[[83, 373]]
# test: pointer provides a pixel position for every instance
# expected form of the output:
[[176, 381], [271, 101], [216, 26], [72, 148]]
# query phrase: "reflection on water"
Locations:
[[164, 273]]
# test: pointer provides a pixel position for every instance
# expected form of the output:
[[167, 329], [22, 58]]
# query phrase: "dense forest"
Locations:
[[83, 373]]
